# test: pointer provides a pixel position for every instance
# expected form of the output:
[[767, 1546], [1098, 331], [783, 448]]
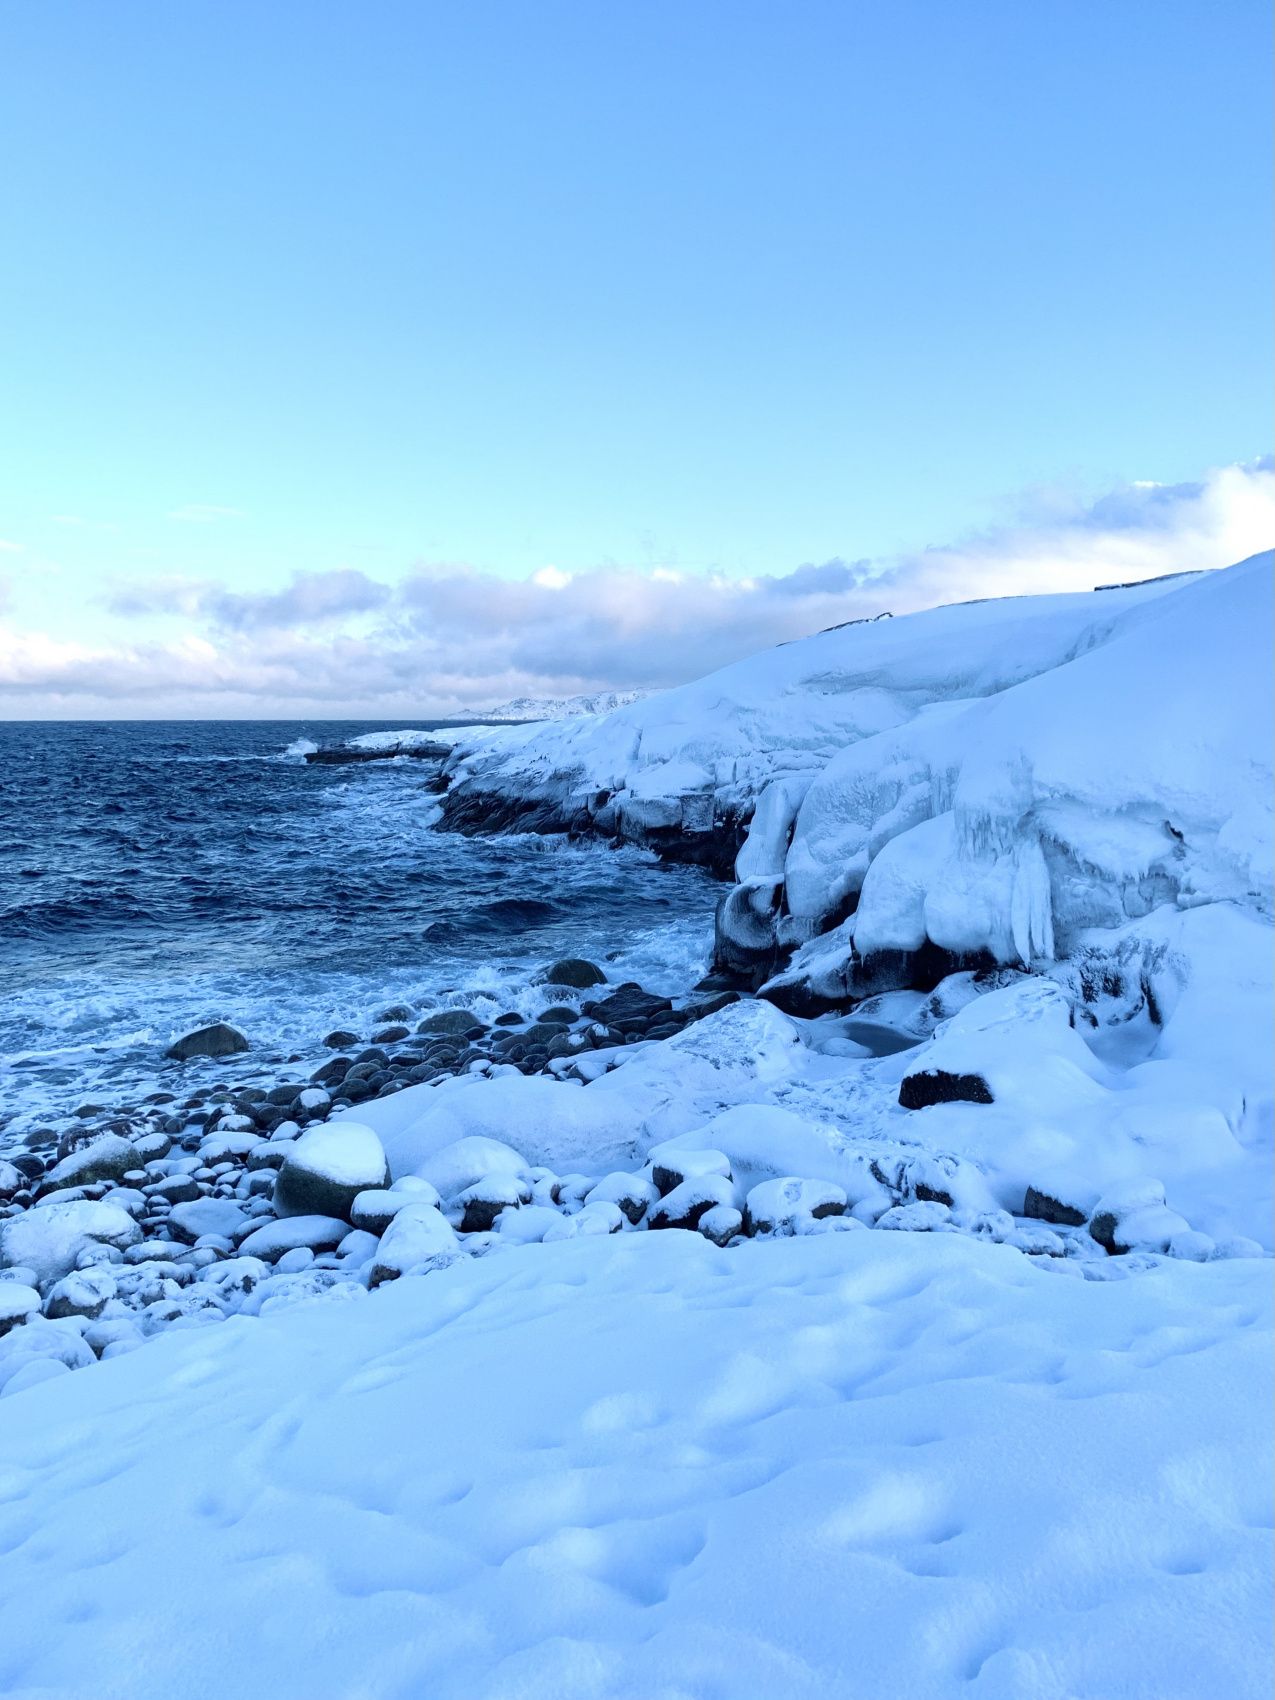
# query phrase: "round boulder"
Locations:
[[327, 1168], [574, 971], [219, 1040]]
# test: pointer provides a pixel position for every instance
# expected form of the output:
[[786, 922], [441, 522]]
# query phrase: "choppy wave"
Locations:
[[142, 895]]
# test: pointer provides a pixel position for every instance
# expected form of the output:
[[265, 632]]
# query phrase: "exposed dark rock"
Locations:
[[341, 1039], [1043, 1207], [574, 971], [341, 755], [219, 1040], [460, 1023], [937, 1086]]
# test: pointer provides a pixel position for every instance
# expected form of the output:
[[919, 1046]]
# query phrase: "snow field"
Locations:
[[858, 1464]]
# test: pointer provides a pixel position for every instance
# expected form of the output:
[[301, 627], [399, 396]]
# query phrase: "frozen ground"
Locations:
[[861, 1464]]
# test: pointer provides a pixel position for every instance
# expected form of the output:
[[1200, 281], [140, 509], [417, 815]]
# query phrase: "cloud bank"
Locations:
[[452, 640]]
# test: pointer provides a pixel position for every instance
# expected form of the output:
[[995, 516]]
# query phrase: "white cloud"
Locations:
[[450, 638]]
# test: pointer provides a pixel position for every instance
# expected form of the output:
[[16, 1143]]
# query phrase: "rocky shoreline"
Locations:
[[243, 1198]]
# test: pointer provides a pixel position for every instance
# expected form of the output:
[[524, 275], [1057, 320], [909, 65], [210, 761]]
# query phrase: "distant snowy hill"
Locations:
[[561, 708]]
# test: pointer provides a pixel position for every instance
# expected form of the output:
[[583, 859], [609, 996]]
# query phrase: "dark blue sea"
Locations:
[[158, 875]]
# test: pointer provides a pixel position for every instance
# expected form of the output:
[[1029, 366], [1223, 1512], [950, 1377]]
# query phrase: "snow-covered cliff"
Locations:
[[989, 780]]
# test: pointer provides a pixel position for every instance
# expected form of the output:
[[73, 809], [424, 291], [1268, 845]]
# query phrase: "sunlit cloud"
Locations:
[[453, 639]]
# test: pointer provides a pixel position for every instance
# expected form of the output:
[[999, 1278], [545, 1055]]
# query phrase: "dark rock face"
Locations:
[[341, 755], [340, 1039], [711, 842], [628, 1003], [1042, 1207], [219, 1040], [937, 1086]]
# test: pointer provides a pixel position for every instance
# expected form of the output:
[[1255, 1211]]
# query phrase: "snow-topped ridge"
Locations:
[[561, 708], [990, 777]]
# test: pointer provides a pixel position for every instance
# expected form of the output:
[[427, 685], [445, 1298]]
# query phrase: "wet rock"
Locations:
[[627, 1005], [340, 1039], [458, 1023], [219, 1040], [574, 971], [392, 1035], [332, 1073], [396, 1013]]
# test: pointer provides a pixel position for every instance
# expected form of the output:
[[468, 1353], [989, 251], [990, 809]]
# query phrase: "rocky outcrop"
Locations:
[[340, 755], [691, 828]]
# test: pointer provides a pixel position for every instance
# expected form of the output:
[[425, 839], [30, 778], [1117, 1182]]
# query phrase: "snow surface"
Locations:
[[921, 1435], [638, 1466]]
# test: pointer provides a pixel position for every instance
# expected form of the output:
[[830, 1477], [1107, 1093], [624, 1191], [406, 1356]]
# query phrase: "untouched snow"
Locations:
[[867, 1464]]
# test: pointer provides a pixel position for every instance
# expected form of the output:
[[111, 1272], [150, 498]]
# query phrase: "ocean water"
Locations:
[[158, 875]]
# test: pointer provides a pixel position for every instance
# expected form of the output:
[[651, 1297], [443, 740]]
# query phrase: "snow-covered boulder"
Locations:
[[470, 1161], [17, 1303], [220, 1217], [84, 1292], [51, 1238], [274, 1240], [558, 1124], [789, 1205], [1017, 1041], [106, 1159], [326, 1169], [419, 1239]]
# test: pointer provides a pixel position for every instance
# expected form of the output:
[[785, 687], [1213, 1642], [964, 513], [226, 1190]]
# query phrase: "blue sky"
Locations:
[[348, 294]]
